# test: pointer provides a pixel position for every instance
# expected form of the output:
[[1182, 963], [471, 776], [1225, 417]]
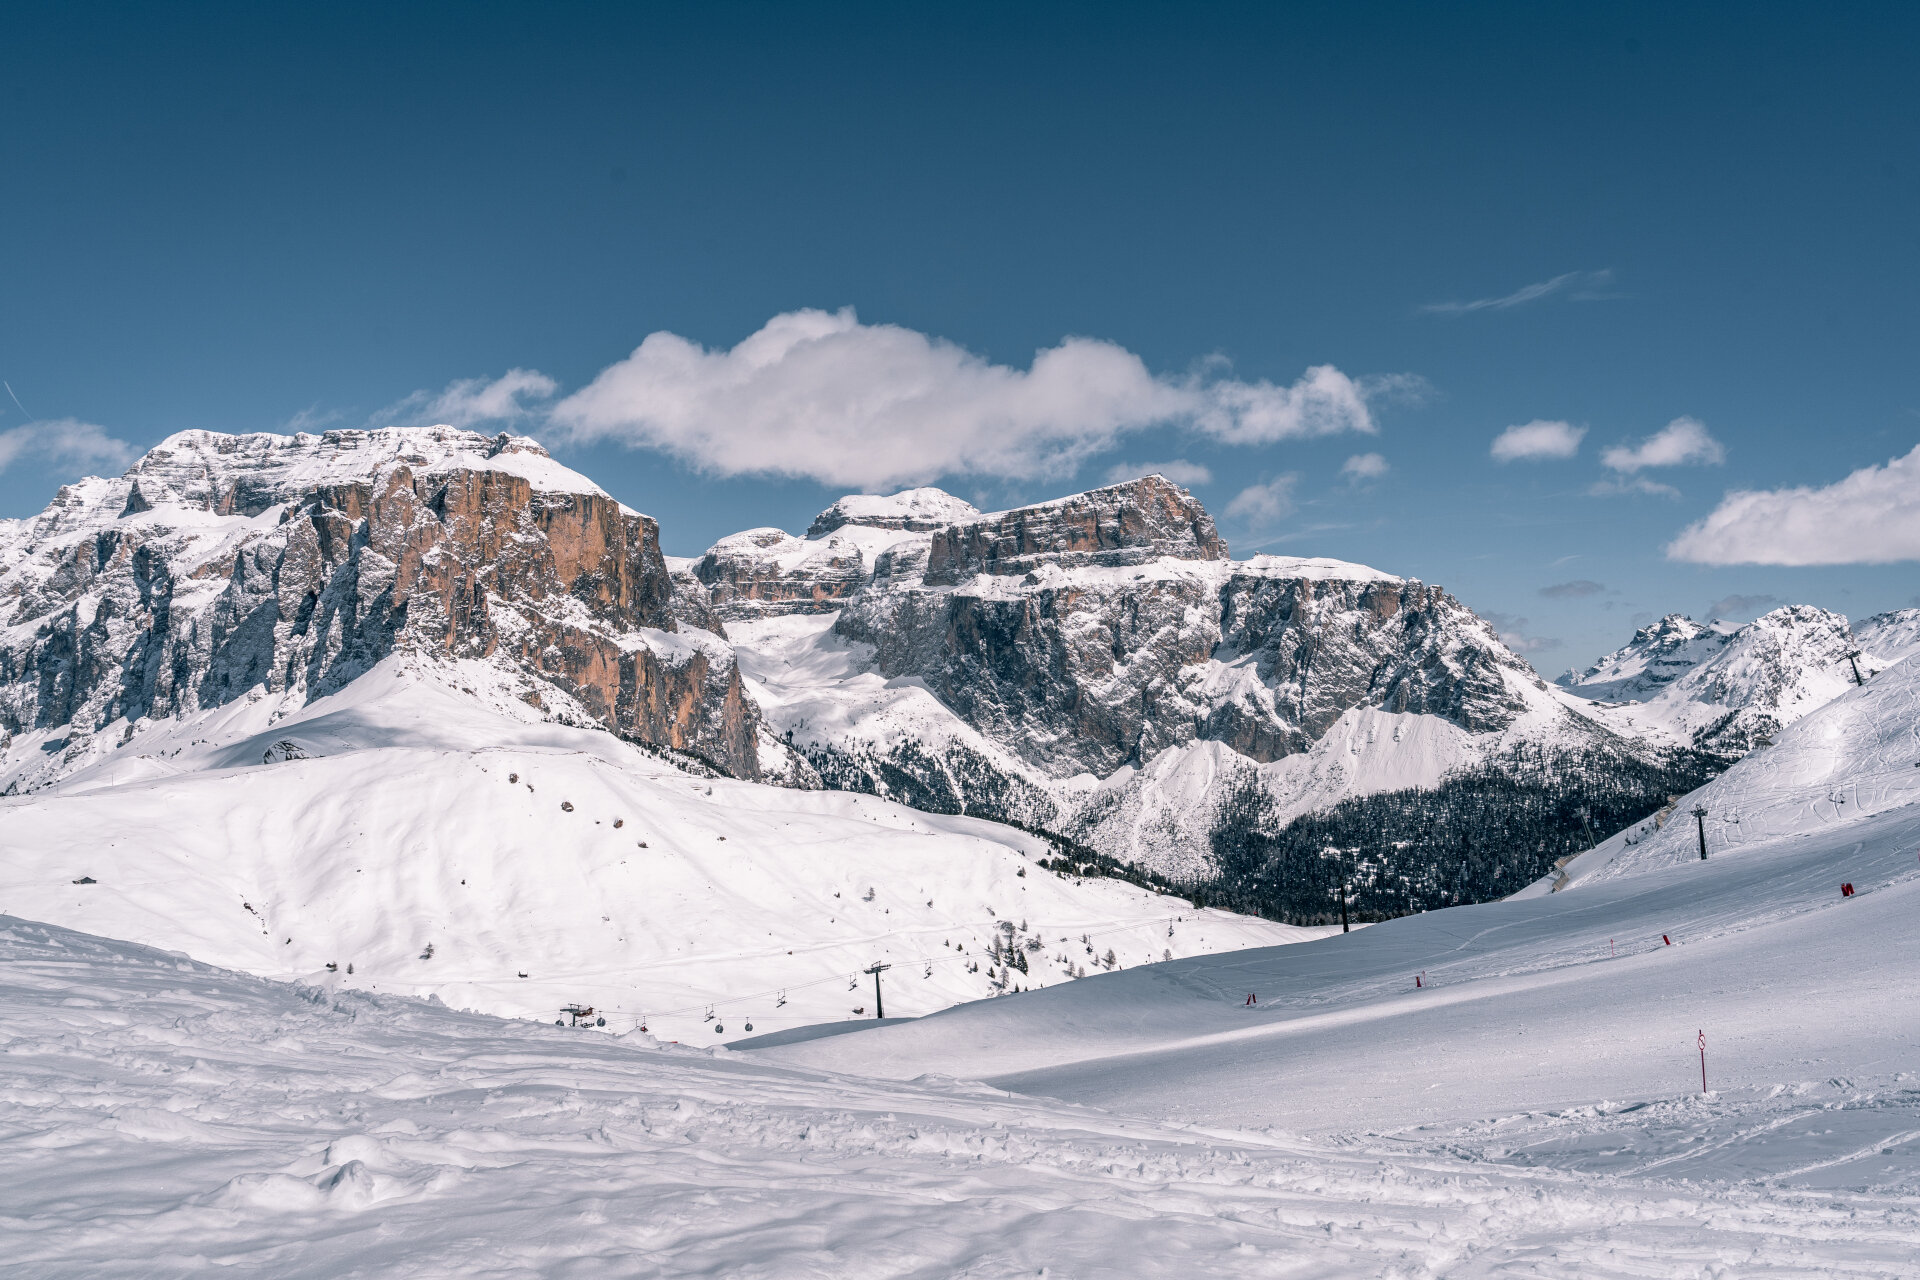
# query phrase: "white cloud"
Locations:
[[1364, 466], [469, 402], [1261, 506], [1541, 438], [65, 441], [1579, 286], [1871, 517], [1180, 471], [1681, 442], [817, 393]]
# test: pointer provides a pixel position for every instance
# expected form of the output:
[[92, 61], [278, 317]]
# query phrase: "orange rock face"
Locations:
[[568, 588]]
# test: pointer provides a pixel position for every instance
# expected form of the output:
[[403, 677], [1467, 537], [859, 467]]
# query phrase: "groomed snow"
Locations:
[[164, 1118]]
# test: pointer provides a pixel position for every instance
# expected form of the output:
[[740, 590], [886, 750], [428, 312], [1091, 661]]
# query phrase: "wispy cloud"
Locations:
[[1180, 471], [1364, 466], [65, 441], [1617, 486], [1871, 517], [1513, 632], [1261, 506], [471, 402], [312, 418], [1577, 589], [1575, 286], [1742, 606], [1540, 439]]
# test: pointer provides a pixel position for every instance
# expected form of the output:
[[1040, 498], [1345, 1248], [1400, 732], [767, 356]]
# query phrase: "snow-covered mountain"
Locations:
[[221, 567], [1099, 665], [1889, 637], [1729, 688], [1096, 666]]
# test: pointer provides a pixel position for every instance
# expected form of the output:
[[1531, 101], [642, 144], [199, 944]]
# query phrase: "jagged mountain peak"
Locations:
[[1724, 686]]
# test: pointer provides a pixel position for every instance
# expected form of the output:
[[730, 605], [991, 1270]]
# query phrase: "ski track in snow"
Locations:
[[160, 1117]]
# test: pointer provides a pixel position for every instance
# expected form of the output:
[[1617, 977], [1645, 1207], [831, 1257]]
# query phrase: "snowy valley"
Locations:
[[337, 766]]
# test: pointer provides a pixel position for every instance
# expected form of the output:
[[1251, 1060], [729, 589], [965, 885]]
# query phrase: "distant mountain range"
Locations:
[[1259, 732]]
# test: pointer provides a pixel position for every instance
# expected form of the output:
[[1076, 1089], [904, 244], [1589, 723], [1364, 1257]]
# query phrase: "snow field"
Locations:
[[435, 811], [165, 1118]]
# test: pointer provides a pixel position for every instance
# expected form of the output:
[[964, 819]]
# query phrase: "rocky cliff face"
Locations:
[[222, 565], [1096, 632], [1123, 524], [769, 571]]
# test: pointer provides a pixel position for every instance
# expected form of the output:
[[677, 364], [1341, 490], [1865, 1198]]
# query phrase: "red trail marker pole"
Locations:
[[1703, 1062]]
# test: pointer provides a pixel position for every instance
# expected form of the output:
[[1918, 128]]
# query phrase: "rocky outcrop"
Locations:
[[768, 571], [1123, 524], [1089, 670], [292, 565], [1319, 647]]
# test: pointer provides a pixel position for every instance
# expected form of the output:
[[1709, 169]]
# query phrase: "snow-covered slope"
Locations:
[[1729, 688], [428, 827], [1854, 758], [1557, 1027], [164, 1118], [1890, 637]]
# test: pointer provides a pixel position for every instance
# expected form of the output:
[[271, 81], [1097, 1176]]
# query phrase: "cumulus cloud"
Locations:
[[1364, 466], [1682, 442], [1576, 286], [1871, 517], [1261, 506], [818, 394], [1541, 438], [1739, 606], [469, 402], [1180, 471], [1578, 588], [65, 441]]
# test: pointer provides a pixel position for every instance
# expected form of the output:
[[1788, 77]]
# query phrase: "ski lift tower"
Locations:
[[1700, 817], [1853, 656], [879, 1010]]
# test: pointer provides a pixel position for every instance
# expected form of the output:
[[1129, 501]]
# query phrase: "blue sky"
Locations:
[[1688, 237]]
